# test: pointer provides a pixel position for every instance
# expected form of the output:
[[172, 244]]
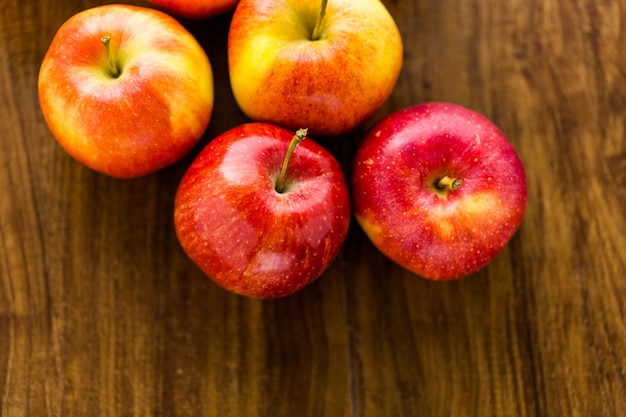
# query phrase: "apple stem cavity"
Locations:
[[281, 181], [450, 183], [317, 29], [115, 71]]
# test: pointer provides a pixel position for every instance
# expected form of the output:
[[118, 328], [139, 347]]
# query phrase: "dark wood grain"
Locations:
[[102, 314]]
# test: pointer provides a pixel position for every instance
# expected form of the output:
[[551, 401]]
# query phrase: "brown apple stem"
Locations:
[[317, 29], [447, 182], [281, 182], [106, 40]]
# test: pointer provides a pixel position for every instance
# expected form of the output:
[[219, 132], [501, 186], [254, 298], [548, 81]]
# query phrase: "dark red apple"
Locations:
[[261, 218], [438, 189]]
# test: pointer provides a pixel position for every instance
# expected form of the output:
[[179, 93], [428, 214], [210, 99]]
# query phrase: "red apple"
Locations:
[[196, 9], [125, 90], [438, 189], [305, 63], [258, 217]]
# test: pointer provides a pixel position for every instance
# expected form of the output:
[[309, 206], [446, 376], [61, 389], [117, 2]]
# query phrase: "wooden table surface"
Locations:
[[102, 314]]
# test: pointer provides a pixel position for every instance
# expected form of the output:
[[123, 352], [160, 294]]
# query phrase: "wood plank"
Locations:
[[102, 314]]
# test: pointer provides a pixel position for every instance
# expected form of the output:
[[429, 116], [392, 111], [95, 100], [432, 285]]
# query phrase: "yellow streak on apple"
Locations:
[[447, 219]]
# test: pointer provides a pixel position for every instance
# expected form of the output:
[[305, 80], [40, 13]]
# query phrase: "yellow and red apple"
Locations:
[[325, 65], [125, 90]]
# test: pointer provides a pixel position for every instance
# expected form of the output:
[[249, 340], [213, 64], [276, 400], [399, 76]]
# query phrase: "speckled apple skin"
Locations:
[[196, 9], [440, 235], [246, 236], [331, 85], [144, 120]]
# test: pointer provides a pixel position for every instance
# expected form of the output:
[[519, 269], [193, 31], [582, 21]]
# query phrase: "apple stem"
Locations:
[[317, 29], [115, 71], [281, 182], [447, 182]]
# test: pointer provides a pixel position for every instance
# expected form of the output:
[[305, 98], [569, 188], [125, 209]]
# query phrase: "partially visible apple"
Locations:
[[196, 9], [325, 64], [258, 217], [438, 189], [125, 90]]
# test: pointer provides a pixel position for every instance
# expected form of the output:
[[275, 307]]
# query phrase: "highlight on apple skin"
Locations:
[[260, 214], [438, 189], [329, 65], [125, 90]]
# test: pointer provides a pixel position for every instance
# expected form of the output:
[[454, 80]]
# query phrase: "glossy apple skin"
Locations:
[[145, 119], [196, 9], [332, 85], [246, 236], [438, 234]]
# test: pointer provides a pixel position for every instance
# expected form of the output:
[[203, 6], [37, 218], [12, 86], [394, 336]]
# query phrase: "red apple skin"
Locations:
[[439, 234], [246, 236], [196, 9], [147, 118], [333, 84]]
